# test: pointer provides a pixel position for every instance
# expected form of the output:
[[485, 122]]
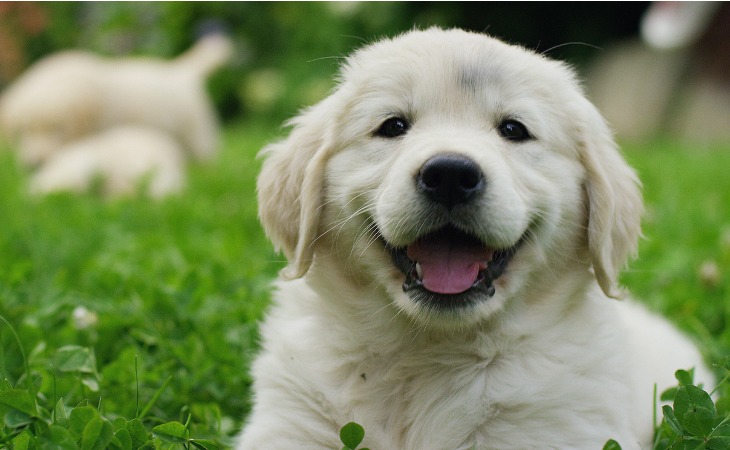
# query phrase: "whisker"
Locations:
[[325, 58], [545, 52]]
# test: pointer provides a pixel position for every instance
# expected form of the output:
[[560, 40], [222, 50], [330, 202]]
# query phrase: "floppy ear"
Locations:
[[615, 204], [290, 187]]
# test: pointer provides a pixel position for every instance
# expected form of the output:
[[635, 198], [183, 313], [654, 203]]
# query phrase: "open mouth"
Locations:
[[450, 267]]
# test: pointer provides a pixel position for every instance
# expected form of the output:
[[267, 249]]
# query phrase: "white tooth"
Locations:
[[419, 271]]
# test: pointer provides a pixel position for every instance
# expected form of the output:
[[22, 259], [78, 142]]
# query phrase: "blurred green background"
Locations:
[[287, 51]]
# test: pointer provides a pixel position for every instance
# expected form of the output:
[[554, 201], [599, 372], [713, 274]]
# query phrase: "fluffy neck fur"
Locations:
[[468, 378]]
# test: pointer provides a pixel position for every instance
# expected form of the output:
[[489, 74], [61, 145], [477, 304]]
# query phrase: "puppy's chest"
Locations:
[[465, 400], [405, 399]]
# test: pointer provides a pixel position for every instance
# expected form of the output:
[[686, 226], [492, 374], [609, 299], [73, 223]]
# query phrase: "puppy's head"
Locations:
[[453, 172]]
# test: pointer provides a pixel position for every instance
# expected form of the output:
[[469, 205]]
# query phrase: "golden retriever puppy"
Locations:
[[455, 215], [122, 159], [72, 94]]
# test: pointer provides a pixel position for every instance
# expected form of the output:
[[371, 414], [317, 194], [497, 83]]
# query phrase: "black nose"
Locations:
[[450, 179]]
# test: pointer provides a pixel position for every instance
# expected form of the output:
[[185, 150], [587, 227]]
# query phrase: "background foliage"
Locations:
[[288, 51]]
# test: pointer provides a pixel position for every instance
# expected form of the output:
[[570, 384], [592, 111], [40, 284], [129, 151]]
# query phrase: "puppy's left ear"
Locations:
[[615, 203], [290, 186]]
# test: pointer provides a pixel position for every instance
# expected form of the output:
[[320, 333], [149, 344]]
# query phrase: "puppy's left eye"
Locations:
[[393, 127], [513, 130]]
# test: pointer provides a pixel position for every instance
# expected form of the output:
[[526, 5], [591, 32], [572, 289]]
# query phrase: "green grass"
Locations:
[[687, 224], [177, 288]]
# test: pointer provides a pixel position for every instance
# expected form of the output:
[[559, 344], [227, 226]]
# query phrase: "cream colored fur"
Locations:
[[550, 361], [122, 159], [73, 94]]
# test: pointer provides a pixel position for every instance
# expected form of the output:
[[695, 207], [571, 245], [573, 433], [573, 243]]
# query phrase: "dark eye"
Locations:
[[393, 127], [513, 130]]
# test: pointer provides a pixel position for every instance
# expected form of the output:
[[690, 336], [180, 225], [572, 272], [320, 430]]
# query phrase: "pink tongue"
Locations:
[[448, 267]]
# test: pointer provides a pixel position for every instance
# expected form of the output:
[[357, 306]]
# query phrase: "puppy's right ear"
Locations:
[[291, 186], [614, 199]]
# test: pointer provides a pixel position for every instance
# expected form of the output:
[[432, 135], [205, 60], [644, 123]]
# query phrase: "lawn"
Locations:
[[145, 313], [171, 293]]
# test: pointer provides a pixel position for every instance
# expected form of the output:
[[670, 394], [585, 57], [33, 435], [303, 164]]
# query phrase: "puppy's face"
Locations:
[[452, 171]]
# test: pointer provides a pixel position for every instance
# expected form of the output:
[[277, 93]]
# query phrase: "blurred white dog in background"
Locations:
[[122, 160], [455, 216], [73, 95]]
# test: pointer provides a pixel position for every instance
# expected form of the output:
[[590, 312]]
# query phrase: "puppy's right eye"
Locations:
[[513, 130], [393, 127]]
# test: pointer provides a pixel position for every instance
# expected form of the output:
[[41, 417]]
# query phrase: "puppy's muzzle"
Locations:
[[449, 265], [450, 180]]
